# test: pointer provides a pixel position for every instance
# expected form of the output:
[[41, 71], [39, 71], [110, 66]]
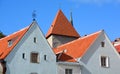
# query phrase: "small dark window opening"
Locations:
[[104, 61], [35, 40], [45, 57], [68, 71], [102, 44], [23, 55]]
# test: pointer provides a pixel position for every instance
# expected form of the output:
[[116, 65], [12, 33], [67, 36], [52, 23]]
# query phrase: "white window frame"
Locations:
[[68, 71], [104, 61]]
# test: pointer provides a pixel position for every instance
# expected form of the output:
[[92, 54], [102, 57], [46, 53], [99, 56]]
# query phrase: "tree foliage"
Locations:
[[1, 35]]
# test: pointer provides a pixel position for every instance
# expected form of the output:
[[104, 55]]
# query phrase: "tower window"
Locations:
[[104, 61], [35, 40], [34, 58], [102, 44]]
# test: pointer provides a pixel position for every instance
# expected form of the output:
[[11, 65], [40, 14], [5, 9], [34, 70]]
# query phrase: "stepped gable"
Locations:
[[8, 43], [73, 50], [61, 26]]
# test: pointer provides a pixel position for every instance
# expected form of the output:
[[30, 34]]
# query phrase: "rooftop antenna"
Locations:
[[34, 15]]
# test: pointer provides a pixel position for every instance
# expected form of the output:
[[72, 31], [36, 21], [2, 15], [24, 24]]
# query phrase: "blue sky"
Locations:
[[89, 16]]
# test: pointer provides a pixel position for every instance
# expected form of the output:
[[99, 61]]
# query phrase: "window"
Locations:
[[34, 57], [35, 40], [45, 57], [104, 61], [102, 44], [10, 42], [23, 55], [68, 71]]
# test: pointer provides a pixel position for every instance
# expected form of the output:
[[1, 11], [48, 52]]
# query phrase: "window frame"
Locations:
[[68, 71], [104, 61], [34, 57]]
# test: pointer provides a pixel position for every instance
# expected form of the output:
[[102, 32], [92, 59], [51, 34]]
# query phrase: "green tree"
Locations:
[[1, 35]]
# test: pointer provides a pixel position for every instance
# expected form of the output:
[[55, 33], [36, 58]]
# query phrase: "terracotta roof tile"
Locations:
[[5, 48], [117, 47], [76, 48], [61, 26]]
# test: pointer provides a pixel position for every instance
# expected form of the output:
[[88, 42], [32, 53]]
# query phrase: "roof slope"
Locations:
[[75, 49], [5, 48], [61, 26]]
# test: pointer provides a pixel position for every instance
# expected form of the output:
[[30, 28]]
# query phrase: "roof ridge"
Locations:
[[14, 33]]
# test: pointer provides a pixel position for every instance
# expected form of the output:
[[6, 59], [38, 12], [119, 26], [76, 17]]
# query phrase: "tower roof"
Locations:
[[61, 26]]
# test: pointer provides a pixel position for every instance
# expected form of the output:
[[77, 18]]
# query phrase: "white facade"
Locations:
[[62, 66], [91, 61], [19, 62]]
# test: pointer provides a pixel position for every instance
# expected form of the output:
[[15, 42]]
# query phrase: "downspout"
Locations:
[[3, 64]]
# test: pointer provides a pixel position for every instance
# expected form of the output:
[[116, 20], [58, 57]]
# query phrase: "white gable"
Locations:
[[92, 58], [19, 60]]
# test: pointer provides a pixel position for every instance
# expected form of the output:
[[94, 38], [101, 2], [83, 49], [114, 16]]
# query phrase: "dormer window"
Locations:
[[10, 42]]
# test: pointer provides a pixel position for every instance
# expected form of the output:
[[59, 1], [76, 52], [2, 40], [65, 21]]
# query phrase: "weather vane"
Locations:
[[34, 15]]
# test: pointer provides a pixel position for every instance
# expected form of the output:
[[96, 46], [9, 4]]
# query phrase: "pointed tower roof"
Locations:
[[61, 26]]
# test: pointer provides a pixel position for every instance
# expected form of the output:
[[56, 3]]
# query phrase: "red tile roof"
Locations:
[[61, 26], [75, 49], [5, 49], [117, 46]]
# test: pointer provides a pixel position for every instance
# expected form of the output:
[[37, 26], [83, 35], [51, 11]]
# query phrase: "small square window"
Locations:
[[34, 57], [68, 71], [104, 61]]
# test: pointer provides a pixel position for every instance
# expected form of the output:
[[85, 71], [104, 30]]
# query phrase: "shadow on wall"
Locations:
[[84, 70]]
